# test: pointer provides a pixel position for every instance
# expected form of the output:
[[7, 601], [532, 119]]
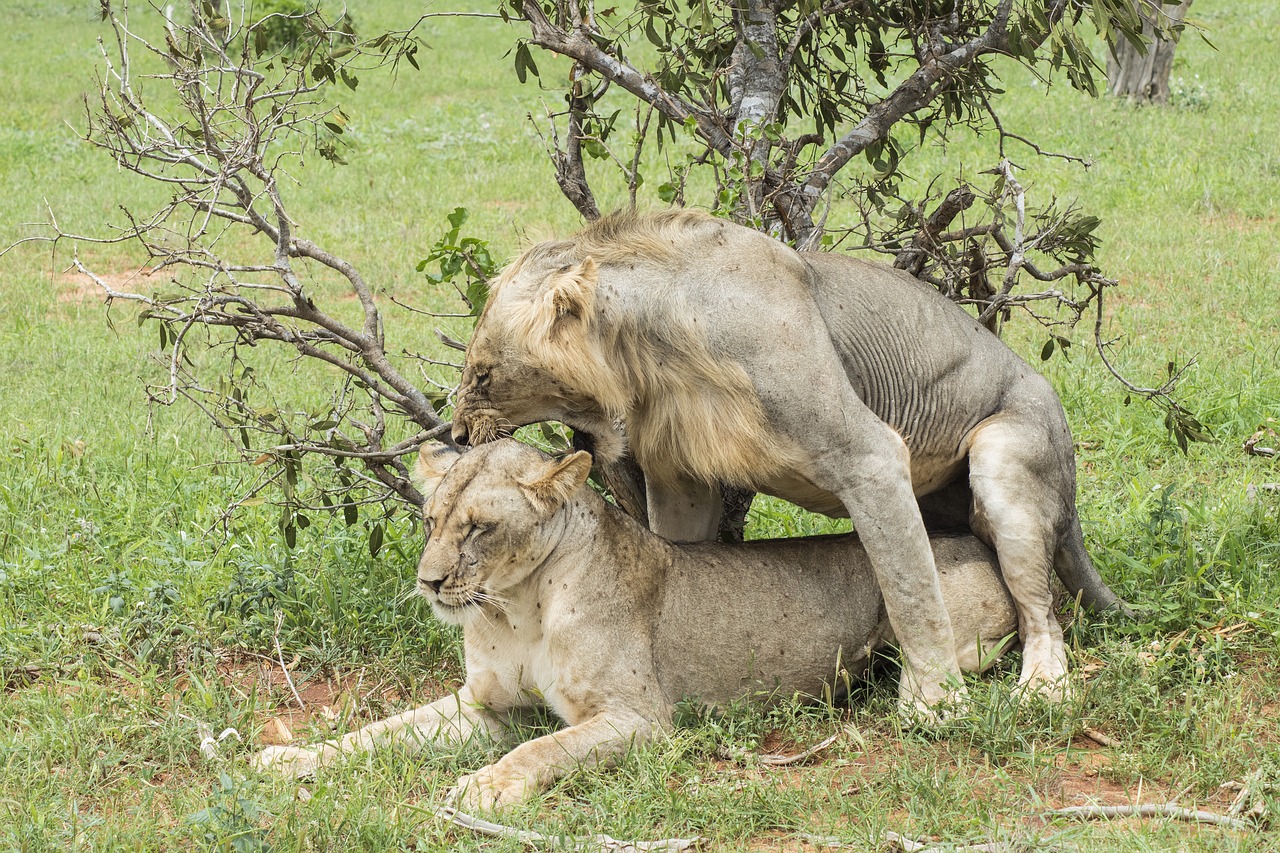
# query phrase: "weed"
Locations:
[[232, 820]]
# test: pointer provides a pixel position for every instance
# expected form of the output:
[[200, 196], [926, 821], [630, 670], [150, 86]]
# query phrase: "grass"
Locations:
[[129, 625]]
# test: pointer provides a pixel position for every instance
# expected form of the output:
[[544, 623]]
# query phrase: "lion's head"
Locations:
[[493, 516], [534, 356], [595, 332]]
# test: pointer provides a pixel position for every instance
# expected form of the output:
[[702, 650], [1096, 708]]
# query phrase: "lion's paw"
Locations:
[[934, 707], [1057, 690], [488, 789], [295, 761]]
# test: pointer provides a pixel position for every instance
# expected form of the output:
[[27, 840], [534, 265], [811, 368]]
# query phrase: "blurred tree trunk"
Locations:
[[1144, 76]]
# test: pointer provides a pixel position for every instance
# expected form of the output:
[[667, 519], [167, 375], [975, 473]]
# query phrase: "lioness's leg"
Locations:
[[454, 718], [1020, 510], [536, 765], [682, 510]]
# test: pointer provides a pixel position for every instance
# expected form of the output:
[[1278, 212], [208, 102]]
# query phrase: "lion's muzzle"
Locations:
[[475, 428], [459, 431]]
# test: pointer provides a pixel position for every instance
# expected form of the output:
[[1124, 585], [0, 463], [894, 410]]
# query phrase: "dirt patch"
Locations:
[[76, 287], [331, 701], [1241, 223]]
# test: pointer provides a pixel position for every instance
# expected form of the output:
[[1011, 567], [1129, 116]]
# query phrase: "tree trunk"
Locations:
[[1145, 77]]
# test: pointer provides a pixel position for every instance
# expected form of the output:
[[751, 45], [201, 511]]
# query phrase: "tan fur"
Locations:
[[718, 355], [551, 488], [701, 415], [567, 603]]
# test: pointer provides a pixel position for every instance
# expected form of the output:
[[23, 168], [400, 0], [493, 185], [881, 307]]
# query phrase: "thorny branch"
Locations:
[[733, 77], [250, 110], [745, 79]]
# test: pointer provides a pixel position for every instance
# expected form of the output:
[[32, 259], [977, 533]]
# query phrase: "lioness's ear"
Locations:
[[434, 461], [570, 296], [557, 482]]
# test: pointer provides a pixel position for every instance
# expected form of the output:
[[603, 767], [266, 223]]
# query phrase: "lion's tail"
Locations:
[[1081, 578]]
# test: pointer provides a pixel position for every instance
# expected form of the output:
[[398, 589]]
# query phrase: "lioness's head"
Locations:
[[493, 516], [534, 355]]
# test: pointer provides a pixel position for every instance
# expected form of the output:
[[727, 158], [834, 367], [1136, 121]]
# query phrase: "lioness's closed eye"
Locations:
[[571, 603]]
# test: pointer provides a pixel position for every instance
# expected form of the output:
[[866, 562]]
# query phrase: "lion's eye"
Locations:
[[475, 530], [482, 377]]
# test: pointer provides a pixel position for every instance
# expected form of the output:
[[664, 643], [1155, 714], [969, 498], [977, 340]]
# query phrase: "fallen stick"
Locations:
[[1169, 810], [906, 844], [283, 666], [537, 839], [769, 760], [1099, 738]]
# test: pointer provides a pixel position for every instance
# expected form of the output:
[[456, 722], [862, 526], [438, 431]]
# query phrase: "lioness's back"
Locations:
[[789, 613]]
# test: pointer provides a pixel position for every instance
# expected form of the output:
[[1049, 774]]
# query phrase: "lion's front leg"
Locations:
[[535, 766], [683, 510], [452, 719], [872, 478]]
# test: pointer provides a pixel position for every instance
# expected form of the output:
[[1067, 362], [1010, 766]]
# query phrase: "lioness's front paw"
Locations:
[[488, 789], [295, 761]]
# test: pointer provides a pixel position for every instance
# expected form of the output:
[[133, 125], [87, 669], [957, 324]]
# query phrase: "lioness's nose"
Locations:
[[434, 585], [460, 431]]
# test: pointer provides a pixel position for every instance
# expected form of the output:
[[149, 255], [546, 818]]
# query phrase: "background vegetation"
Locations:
[[131, 627]]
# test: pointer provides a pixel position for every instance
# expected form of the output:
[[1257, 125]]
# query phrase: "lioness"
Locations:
[[716, 354], [566, 600]]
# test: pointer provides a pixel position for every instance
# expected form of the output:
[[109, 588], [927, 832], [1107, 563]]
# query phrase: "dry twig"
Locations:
[[1099, 738], [742, 755], [283, 667], [906, 844], [1169, 810], [537, 839]]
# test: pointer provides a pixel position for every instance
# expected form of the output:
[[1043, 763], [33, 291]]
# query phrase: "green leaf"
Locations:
[[375, 539], [1046, 352], [652, 34], [524, 62]]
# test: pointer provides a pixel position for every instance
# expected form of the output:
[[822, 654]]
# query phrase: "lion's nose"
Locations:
[[460, 432], [434, 586]]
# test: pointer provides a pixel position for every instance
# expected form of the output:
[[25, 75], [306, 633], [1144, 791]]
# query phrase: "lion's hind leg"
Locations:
[[1021, 510]]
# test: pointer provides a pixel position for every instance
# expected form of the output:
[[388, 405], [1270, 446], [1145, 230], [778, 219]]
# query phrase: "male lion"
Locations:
[[718, 355], [567, 601]]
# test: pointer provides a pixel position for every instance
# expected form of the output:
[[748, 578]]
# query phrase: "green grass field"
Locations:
[[130, 626]]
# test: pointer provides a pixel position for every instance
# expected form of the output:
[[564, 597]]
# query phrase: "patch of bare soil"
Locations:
[[329, 701], [75, 287], [1242, 223]]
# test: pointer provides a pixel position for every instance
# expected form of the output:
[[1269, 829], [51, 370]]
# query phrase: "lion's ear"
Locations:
[[570, 295], [434, 461], [557, 482]]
